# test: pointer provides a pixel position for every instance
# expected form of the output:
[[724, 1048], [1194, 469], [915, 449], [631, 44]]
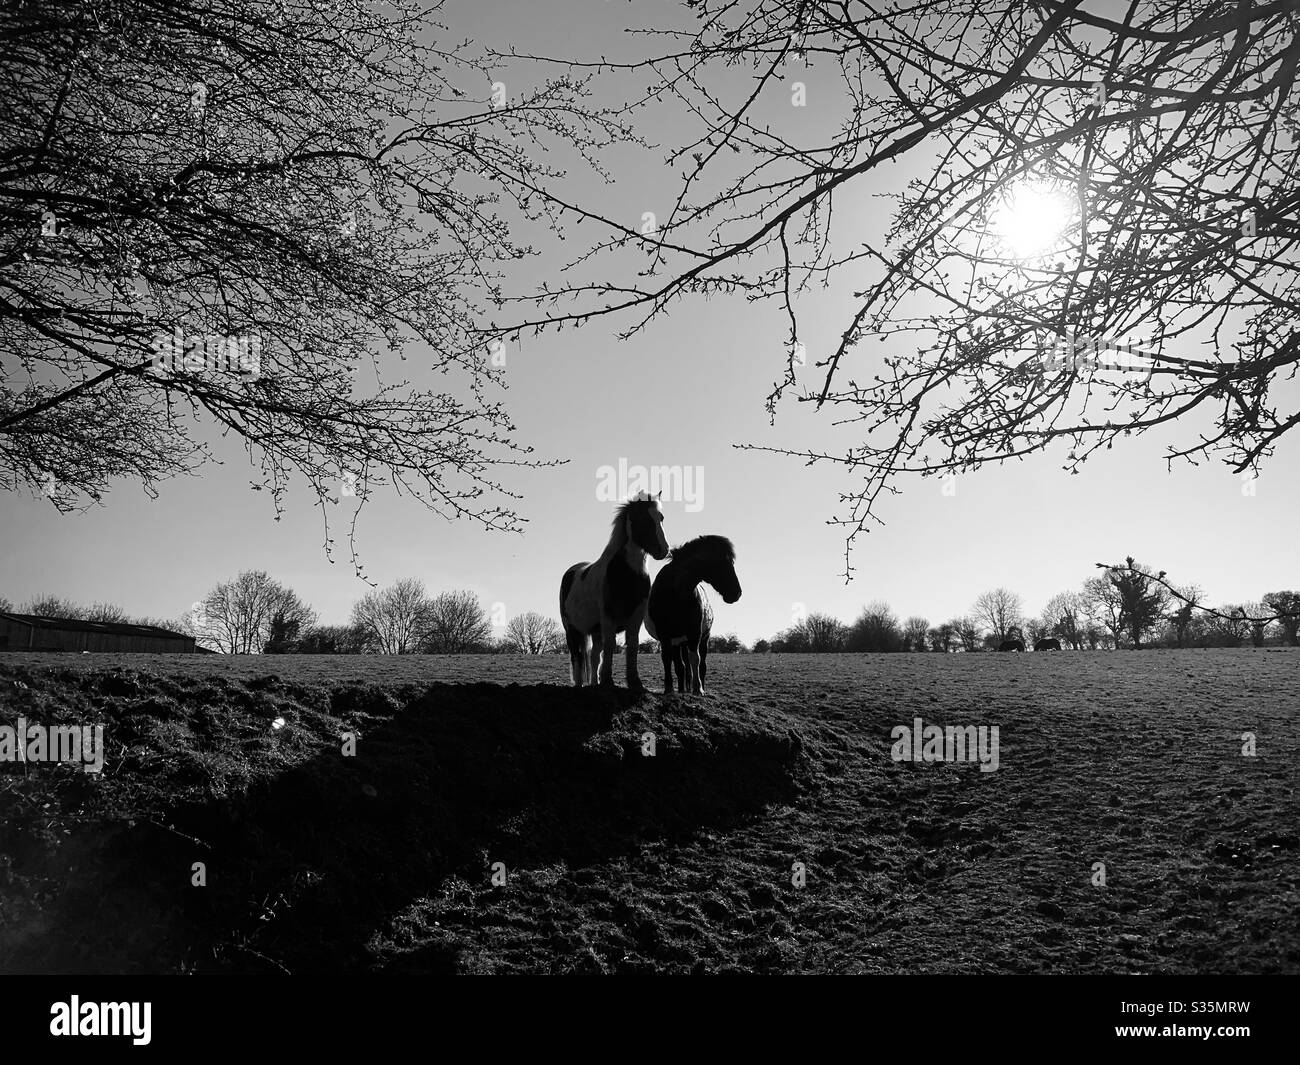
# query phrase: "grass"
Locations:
[[684, 861]]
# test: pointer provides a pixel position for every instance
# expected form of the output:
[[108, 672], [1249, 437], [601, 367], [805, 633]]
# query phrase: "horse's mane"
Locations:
[[626, 508], [619, 527], [712, 547]]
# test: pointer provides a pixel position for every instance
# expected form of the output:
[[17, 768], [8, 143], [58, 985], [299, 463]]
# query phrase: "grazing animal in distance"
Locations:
[[1047, 645], [602, 598], [679, 615], [1012, 645]]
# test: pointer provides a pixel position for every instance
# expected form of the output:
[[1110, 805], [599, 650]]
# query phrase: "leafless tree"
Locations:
[[1228, 626], [533, 633], [237, 214], [942, 637], [914, 633], [876, 629], [455, 624], [395, 619], [1095, 635], [1161, 135], [817, 633], [53, 606], [1182, 617], [725, 644], [1260, 626], [172, 624], [1286, 606], [1104, 606], [968, 631], [236, 616], [1001, 610], [1062, 617], [109, 612]]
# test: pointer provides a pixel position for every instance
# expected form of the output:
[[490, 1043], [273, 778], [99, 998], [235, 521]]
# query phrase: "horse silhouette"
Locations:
[[1012, 645], [679, 615], [1047, 644], [599, 599]]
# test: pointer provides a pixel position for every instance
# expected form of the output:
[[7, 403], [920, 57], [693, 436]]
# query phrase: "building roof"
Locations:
[[115, 628]]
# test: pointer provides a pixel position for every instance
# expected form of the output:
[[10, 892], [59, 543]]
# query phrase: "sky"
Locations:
[[681, 393]]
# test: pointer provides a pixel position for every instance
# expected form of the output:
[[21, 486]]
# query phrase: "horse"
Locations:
[[679, 615], [1012, 645], [1047, 644], [601, 598]]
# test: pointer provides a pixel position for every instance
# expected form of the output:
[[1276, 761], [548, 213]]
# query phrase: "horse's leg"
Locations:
[[679, 666], [607, 639], [704, 654], [577, 654], [595, 659], [666, 653], [632, 636], [693, 657]]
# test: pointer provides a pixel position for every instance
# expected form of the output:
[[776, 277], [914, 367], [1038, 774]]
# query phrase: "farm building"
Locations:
[[28, 632]]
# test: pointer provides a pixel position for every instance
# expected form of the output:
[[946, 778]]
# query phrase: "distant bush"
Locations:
[[816, 634], [534, 634], [725, 645], [876, 629], [332, 640]]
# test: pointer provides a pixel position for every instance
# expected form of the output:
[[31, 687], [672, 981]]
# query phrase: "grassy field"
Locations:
[[680, 862]]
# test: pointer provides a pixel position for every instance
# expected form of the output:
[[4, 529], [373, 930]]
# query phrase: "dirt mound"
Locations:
[[309, 851]]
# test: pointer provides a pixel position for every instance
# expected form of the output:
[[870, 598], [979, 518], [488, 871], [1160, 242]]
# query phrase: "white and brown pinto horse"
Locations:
[[603, 598]]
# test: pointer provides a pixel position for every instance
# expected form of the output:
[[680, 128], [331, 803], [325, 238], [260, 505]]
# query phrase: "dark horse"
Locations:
[[1047, 645], [679, 616], [1012, 645], [608, 596]]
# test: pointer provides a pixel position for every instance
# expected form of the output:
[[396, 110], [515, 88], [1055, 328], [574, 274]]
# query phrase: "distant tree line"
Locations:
[[1126, 606], [254, 613]]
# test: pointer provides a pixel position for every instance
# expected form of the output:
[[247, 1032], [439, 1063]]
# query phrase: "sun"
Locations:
[[1031, 218]]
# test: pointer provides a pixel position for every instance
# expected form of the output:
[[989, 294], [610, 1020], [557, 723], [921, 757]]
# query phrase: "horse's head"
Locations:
[[712, 559], [644, 522]]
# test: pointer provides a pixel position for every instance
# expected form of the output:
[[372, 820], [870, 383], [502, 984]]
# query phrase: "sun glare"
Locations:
[[1032, 218]]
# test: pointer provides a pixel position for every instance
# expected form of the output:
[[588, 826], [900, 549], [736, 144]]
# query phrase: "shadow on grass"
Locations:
[[304, 866]]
